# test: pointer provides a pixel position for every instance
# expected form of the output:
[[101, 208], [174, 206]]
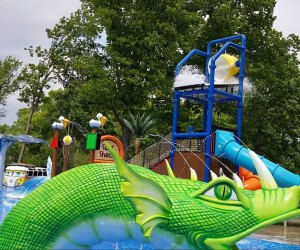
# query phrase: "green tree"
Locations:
[[36, 154], [34, 80], [8, 74], [139, 125], [271, 120], [270, 126], [133, 69], [4, 128], [75, 52]]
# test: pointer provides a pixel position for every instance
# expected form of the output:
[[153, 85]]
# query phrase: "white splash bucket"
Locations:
[[225, 68]]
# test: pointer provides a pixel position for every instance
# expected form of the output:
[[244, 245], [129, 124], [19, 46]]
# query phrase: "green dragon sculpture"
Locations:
[[115, 202]]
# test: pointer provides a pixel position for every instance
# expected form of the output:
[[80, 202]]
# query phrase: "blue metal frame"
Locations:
[[209, 93]]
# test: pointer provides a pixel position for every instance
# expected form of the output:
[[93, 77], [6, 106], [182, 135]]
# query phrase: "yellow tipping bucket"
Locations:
[[66, 122], [103, 120], [225, 68]]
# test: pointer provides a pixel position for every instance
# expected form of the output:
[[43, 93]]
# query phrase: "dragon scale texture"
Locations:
[[85, 191], [91, 198]]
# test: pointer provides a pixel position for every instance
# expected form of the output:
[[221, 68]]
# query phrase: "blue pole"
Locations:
[[225, 40], [210, 105], [204, 124], [187, 57], [240, 93], [174, 127]]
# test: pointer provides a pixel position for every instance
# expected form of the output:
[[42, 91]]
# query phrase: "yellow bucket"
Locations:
[[225, 68]]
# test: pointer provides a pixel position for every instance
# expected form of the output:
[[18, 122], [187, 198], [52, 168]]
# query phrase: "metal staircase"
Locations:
[[160, 150]]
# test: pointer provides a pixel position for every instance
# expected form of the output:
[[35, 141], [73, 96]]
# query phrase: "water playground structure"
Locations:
[[16, 175], [6, 141], [118, 205]]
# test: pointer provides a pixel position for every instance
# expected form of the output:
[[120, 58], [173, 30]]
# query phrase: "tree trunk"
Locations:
[[28, 124], [66, 157], [125, 134], [125, 140], [137, 143]]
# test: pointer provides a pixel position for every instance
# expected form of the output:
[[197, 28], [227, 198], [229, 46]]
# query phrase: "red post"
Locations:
[[55, 152]]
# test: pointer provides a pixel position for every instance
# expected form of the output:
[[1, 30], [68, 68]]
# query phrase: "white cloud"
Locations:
[[287, 12], [12, 107], [23, 23]]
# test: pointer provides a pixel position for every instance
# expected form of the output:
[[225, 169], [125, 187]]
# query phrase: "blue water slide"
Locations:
[[227, 147]]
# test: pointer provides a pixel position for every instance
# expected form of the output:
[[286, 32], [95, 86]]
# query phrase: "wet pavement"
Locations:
[[286, 233]]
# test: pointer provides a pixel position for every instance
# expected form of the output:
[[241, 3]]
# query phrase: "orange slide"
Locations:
[[250, 180]]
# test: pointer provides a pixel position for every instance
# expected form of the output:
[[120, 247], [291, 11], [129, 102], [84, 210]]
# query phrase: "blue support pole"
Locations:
[[174, 127], [208, 140], [187, 57], [204, 124], [190, 135], [240, 94], [210, 105]]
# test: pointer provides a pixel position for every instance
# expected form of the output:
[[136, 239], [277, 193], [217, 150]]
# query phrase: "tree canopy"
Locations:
[[8, 74], [118, 57]]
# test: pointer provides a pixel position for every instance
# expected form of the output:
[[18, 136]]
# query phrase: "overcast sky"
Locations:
[[23, 23]]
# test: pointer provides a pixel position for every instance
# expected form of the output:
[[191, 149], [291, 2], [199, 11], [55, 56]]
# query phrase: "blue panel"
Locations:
[[30, 139]]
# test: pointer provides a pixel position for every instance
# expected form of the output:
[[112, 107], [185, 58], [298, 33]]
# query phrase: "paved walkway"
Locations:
[[289, 234]]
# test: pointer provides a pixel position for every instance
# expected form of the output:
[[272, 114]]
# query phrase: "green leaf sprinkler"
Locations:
[[115, 202]]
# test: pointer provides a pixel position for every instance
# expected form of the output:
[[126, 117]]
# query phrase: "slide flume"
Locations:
[[228, 148]]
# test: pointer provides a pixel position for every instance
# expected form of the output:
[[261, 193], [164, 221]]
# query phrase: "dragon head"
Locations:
[[221, 213], [213, 215]]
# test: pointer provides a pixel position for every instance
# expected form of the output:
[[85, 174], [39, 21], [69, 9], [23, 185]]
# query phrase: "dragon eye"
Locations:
[[221, 191]]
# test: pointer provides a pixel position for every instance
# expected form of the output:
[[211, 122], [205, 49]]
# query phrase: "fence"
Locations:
[[160, 150]]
